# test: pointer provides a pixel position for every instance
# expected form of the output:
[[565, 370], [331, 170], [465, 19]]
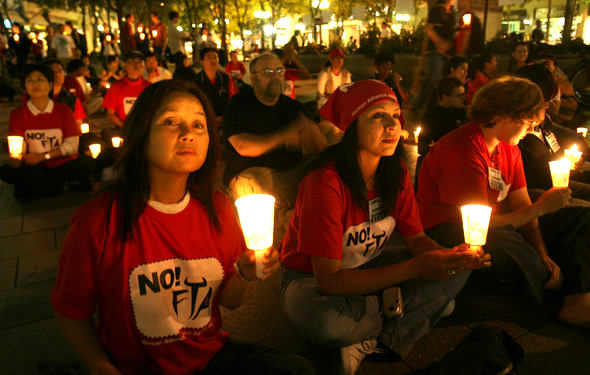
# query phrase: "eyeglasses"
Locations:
[[271, 72]]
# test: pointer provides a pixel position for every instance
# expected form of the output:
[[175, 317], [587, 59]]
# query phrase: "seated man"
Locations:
[[122, 94], [266, 135], [564, 108], [153, 72], [217, 85], [536, 246]]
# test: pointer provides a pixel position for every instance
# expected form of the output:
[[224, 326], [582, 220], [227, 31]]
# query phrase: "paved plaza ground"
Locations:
[[31, 234]]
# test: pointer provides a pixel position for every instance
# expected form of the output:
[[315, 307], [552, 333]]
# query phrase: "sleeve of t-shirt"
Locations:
[[70, 129], [462, 178], [321, 227], [110, 98], [519, 180], [79, 113], [15, 123], [407, 215], [75, 293]]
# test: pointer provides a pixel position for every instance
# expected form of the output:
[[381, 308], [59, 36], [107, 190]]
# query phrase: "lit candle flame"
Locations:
[[573, 155], [16, 38], [108, 38], [15, 146], [583, 131], [560, 172], [116, 141], [94, 150], [476, 221], [142, 36], [85, 128], [140, 29], [417, 134]]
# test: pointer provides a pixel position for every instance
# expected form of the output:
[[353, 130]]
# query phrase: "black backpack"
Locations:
[[486, 350]]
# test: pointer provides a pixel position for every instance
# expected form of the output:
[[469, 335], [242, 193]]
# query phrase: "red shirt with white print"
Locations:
[[459, 170], [327, 223], [157, 295], [45, 130], [122, 94]]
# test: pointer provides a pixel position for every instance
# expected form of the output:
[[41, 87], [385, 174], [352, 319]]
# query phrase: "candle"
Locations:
[[583, 131], [16, 37], [467, 19], [417, 134], [573, 155], [108, 38], [94, 150], [116, 141], [15, 146], [142, 36], [154, 33], [85, 128], [140, 29], [476, 220], [560, 172], [108, 85], [256, 213], [32, 35]]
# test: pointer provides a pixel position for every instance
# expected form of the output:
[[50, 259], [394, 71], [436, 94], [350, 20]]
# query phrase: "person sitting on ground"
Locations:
[[338, 276], [444, 113], [186, 72], [266, 136], [484, 67], [50, 151], [384, 62], [217, 85], [235, 68], [63, 96], [89, 71], [153, 72], [564, 108], [545, 143], [112, 72], [535, 246], [519, 57], [145, 226], [94, 99], [458, 68], [295, 70], [332, 76], [122, 94]]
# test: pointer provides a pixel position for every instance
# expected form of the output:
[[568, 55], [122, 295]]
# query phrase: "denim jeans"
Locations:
[[338, 321]]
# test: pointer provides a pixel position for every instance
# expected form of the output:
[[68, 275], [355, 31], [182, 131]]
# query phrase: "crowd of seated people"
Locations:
[[342, 190]]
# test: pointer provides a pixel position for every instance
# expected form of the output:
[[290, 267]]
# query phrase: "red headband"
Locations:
[[350, 100]]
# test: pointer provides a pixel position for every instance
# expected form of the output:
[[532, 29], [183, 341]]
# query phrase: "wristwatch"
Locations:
[[47, 156]]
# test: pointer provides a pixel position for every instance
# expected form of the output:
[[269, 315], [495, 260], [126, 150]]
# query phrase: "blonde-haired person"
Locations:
[[538, 246]]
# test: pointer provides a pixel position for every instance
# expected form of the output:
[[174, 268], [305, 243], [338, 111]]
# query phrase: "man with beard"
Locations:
[[267, 136]]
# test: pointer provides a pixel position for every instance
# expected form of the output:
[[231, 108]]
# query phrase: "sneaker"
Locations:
[[353, 355], [448, 309]]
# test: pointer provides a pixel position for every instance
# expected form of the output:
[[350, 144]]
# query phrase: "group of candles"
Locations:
[[16, 144]]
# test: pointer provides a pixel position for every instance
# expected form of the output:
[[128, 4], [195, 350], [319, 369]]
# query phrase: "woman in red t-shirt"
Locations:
[[338, 281], [158, 255]]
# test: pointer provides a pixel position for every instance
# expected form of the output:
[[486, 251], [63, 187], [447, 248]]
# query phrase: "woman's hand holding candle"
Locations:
[[269, 260]]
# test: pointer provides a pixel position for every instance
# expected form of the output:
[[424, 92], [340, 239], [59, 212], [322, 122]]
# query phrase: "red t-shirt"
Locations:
[[475, 84], [459, 170], [157, 295], [328, 223], [236, 70], [73, 86], [122, 94], [44, 132]]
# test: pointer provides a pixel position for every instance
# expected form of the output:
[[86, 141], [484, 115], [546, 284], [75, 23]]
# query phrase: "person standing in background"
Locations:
[[128, 34], [538, 35], [159, 35]]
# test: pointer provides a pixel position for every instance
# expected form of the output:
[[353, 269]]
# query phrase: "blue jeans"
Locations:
[[339, 321]]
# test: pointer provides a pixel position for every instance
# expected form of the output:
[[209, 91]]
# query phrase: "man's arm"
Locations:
[[254, 145]]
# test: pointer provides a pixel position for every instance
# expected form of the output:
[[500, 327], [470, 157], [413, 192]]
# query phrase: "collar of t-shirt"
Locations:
[[173, 208], [35, 111], [136, 82]]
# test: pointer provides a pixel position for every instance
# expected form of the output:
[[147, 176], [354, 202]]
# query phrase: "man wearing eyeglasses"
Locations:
[[266, 135]]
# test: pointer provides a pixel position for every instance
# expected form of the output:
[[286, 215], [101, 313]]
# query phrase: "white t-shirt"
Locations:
[[63, 44]]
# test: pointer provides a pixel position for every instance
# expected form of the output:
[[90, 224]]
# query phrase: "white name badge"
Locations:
[[497, 183], [552, 141]]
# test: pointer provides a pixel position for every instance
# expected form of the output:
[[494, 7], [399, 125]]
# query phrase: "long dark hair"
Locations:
[[345, 156], [132, 182]]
